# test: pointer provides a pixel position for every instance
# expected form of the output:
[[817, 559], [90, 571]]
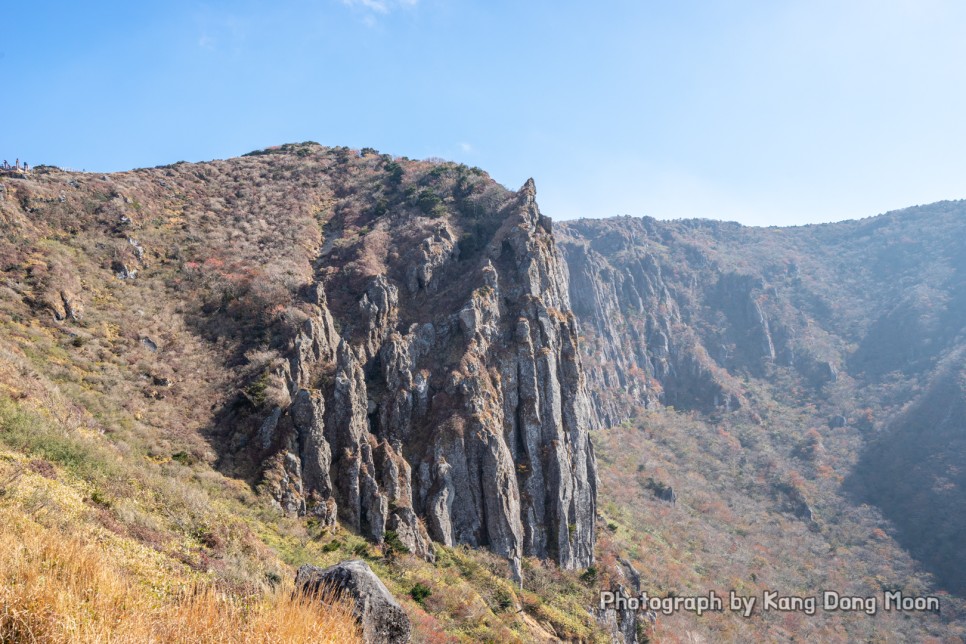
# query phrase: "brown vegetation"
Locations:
[[56, 588]]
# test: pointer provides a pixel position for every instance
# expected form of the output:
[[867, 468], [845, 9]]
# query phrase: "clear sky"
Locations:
[[764, 112]]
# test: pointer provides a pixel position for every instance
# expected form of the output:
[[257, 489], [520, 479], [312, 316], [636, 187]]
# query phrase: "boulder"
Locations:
[[382, 619]]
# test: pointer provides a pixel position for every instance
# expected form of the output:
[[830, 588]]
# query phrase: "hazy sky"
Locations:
[[765, 112]]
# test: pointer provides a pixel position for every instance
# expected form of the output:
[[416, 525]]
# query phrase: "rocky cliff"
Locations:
[[451, 407], [661, 322]]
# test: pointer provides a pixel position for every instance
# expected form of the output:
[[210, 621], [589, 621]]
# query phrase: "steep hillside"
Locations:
[[738, 522], [401, 335], [350, 346], [915, 472]]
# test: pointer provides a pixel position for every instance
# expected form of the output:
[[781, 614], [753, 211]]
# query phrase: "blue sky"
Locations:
[[778, 112]]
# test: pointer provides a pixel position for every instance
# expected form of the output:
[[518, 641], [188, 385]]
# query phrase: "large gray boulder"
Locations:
[[383, 620]]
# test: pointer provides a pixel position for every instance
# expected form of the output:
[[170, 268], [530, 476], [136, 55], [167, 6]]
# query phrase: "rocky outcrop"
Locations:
[[458, 412], [667, 318], [619, 622], [315, 343], [617, 619], [321, 442], [429, 258], [382, 619]]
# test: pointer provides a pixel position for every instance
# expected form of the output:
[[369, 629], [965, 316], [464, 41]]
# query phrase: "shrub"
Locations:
[[32, 434], [182, 457], [257, 390], [429, 202], [419, 593], [504, 598], [395, 172]]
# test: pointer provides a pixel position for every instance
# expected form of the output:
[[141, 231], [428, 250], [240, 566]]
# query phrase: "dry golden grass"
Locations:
[[56, 588]]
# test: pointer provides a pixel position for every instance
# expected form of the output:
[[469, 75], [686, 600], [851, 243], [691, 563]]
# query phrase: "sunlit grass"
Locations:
[[57, 588]]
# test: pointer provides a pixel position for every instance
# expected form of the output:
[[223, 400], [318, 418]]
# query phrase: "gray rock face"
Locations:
[[382, 619], [457, 412], [668, 494], [378, 307], [429, 258], [619, 623], [638, 348], [315, 343]]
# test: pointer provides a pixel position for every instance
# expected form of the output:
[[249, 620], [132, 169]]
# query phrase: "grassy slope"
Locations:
[[81, 562]]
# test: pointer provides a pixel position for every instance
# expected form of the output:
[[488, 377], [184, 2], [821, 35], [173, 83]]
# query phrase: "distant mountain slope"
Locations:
[[861, 323], [865, 297]]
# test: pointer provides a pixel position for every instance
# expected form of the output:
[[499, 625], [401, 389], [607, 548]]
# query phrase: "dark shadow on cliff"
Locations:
[[915, 472]]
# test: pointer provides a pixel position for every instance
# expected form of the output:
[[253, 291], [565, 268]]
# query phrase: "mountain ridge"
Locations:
[[408, 352]]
